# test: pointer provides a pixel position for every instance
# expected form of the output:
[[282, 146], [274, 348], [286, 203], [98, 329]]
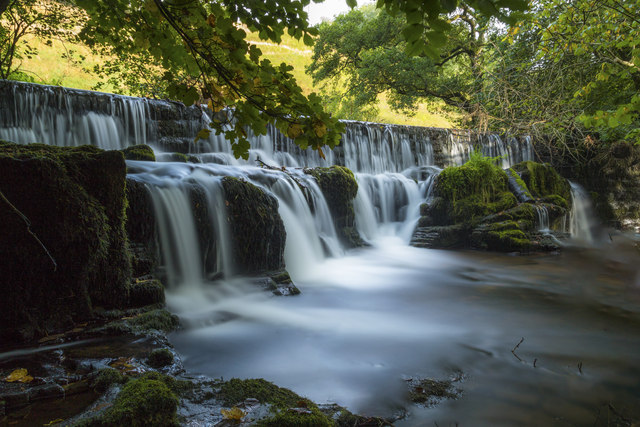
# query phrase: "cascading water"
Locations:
[[542, 217], [370, 320], [582, 225]]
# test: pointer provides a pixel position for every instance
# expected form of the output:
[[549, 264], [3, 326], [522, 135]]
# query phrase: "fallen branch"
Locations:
[[515, 348], [28, 224]]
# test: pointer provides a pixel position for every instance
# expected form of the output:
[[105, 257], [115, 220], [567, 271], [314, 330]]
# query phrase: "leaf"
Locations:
[[320, 129], [352, 3], [203, 134], [19, 376], [321, 154], [234, 413], [294, 130]]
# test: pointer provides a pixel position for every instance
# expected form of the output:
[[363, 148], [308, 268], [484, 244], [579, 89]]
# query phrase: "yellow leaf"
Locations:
[[19, 376], [203, 134], [321, 154], [320, 129], [52, 422], [234, 413], [211, 20], [294, 130]]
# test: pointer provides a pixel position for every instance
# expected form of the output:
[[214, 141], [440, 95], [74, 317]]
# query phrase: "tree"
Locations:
[[363, 54], [22, 19], [201, 50]]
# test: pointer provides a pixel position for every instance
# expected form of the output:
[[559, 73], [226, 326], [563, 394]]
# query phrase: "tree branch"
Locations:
[[28, 224]]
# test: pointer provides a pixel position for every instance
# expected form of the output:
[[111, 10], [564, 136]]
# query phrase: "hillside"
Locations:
[[69, 65]]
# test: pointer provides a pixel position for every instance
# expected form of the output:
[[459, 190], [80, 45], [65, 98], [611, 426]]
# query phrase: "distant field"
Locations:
[[53, 65]]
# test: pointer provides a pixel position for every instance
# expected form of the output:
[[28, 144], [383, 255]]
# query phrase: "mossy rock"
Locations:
[[441, 237], [160, 358], [146, 292], [105, 378], [74, 199], [142, 402], [139, 152], [256, 229], [505, 236], [465, 194], [542, 180], [183, 158], [339, 188], [283, 402]]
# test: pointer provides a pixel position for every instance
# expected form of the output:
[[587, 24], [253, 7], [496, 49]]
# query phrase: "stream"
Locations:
[[367, 323]]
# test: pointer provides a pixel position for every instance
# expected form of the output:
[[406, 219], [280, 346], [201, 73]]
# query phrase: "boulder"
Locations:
[[339, 187], [256, 229], [64, 251]]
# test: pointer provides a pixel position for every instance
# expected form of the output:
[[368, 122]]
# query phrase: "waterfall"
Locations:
[[582, 225], [394, 166], [542, 217]]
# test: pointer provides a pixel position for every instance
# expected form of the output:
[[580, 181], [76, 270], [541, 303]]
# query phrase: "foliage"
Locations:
[[362, 54], [47, 20], [569, 68]]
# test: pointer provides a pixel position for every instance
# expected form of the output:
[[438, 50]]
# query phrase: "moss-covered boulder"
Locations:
[[543, 181], [256, 229], [339, 187], [68, 203], [469, 192], [139, 152], [476, 206], [146, 292]]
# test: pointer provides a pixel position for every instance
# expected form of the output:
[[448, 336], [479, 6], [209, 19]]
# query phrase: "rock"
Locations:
[[542, 180], [441, 237], [339, 188], [160, 358], [74, 199], [146, 292], [49, 391], [257, 231], [139, 152]]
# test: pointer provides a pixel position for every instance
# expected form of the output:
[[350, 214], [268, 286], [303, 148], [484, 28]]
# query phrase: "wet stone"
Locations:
[[49, 391]]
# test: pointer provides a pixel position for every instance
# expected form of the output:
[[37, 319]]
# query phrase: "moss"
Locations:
[[146, 292], [291, 418], [520, 182], [179, 387], [75, 201], [106, 378], [142, 402], [471, 191], [160, 320], [543, 180], [237, 390], [339, 187], [160, 357], [257, 231], [556, 200], [428, 390], [183, 158], [139, 152]]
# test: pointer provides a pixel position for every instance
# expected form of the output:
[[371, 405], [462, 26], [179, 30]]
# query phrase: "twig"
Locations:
[[28, 223], [580, 367], [515, 348], [534, 362]]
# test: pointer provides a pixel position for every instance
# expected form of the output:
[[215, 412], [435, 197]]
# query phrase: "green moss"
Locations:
[[183, 158], [520, 182], [543, 180], [290, 418], [142, 402], [160, 357], [471, 191], [74, 198], [257, 231], [237, 390], [556, 200], [146, 292], [106, 378], [139, 152], [160, 320]]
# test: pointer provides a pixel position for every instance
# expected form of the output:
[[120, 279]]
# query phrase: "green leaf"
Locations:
[[352, 3]]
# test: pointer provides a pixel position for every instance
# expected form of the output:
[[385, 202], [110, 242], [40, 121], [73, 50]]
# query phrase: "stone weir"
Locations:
[[69, 117]]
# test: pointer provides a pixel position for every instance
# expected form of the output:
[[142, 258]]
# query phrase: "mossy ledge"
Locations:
[[339, 188], [475, 207], [74, 200]]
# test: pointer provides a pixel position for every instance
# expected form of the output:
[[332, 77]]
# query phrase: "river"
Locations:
[[368, 322]]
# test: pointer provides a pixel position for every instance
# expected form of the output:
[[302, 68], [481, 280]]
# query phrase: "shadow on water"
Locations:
[[369, 322]]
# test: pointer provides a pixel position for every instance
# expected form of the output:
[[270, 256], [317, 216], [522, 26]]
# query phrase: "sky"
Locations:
[[328, 9]]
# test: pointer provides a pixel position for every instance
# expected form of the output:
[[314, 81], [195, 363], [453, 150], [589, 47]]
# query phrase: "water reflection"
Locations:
[[370, 320]]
